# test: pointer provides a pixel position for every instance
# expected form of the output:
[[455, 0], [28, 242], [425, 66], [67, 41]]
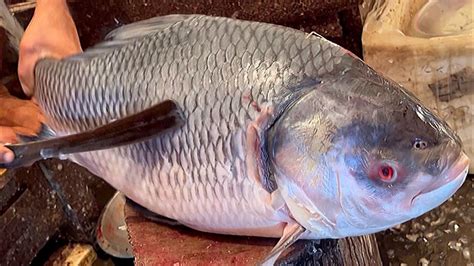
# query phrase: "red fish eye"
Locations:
[[386, 173]]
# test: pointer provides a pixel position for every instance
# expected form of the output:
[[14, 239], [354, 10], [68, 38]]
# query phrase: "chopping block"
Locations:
[[159, 244]]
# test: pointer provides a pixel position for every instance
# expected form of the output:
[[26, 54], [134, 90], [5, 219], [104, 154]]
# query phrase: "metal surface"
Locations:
[[112, 235], [134, 128]]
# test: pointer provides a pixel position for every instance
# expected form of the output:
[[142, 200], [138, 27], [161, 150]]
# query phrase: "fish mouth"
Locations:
[[454, 178], [457, 171], [460, 167]]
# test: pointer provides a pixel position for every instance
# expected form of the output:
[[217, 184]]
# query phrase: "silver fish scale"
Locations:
[[222, 73]]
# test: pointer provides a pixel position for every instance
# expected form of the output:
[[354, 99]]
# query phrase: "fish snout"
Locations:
[[454, 171], [441, 188], [442, 157]]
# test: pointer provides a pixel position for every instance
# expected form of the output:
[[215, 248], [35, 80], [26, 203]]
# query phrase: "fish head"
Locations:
[[359, 154]]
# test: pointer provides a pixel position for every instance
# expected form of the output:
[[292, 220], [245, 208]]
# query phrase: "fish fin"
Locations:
[[291, 234], [151, 215], [45, 133], [129, 33], [145, 27]]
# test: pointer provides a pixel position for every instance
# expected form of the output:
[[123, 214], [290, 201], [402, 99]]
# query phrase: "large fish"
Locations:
[[286, 134]]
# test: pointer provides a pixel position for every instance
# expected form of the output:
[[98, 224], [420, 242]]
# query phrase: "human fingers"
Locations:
[[7, 135]]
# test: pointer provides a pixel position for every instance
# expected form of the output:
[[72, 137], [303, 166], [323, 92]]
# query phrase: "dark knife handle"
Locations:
[[134, 128]]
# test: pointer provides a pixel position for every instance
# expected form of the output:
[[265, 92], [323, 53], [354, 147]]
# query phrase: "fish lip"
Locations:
[[460, 168], [453, 174]]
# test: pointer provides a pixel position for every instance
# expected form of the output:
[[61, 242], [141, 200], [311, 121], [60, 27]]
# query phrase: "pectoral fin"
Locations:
[[291, 234]]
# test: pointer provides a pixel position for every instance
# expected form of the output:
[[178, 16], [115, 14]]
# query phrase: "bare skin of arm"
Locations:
[[50, 33]]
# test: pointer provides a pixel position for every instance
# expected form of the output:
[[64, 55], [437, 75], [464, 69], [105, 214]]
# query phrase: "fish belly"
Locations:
[[213, 197]]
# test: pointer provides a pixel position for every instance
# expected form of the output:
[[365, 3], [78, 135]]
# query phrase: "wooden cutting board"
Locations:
[[157, 244]]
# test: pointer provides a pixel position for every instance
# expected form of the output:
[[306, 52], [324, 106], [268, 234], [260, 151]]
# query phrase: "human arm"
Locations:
[[50, 33]]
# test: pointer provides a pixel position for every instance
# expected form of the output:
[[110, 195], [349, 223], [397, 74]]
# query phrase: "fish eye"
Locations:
[[420, 144], [387, 173]]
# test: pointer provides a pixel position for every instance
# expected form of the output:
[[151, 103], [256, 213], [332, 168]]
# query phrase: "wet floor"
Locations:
[[444, 236]]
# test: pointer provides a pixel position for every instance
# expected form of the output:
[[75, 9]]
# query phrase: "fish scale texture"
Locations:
[[222, 73]]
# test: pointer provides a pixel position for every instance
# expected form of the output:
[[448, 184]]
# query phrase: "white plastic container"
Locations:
[[428, 47]]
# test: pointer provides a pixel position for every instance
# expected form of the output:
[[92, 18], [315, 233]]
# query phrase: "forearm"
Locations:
[[50, 33], [56, 10], [51, 3]]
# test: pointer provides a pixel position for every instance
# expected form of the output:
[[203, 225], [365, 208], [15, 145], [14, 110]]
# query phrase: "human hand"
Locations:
[[17, 116], [50, 33]]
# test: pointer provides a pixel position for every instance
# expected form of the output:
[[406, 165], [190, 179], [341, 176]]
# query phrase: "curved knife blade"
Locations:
[[134, 128]]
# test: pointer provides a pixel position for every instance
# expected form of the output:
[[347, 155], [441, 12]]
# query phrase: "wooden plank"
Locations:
[[156, 244]]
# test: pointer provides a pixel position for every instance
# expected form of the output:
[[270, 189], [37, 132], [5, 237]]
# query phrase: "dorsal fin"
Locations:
[[142, 28], [129, 33]]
